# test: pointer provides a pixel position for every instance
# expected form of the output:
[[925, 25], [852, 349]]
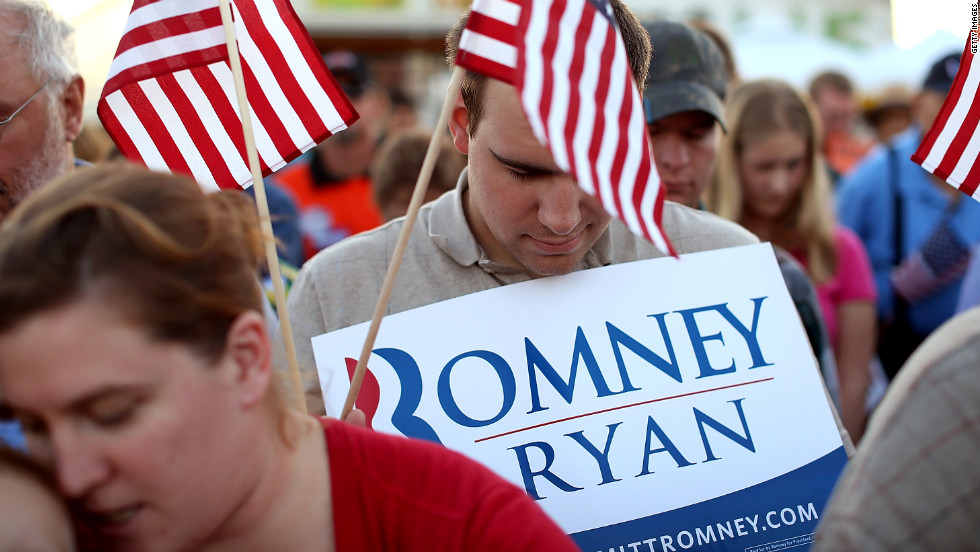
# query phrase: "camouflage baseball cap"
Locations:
[[687, 73]]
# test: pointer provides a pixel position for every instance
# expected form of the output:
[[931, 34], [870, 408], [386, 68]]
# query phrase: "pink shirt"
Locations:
[[853, 280]]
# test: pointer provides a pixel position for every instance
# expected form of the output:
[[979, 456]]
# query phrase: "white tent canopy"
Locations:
[[768, 47]]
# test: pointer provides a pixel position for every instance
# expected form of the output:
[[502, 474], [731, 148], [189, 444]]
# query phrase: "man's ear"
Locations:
[[73, 104], [459, 125], [247, 348]]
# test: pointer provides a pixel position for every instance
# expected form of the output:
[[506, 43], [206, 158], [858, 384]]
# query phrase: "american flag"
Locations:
[[942, 259], [579, 96], [488, 44], [951, 148], [169, 100]]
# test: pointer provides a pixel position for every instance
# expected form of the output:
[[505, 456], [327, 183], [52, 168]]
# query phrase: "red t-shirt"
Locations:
[[396, 494]]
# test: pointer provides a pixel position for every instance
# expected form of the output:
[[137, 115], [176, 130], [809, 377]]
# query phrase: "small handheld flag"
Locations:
[[579, 96], [951, 148], [169, 100], [488, 44]]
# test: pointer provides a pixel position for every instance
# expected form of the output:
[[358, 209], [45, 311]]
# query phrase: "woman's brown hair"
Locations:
[[174, 260]]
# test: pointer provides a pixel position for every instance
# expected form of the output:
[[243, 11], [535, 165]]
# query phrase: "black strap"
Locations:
[[900, 310], [896, 207]]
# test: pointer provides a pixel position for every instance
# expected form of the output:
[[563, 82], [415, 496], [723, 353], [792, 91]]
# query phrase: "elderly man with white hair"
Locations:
[[41, 99]]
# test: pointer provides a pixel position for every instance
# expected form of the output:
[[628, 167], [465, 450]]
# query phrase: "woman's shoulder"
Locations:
[[853, 265], [847, 243], [422, 473], [422, 496]]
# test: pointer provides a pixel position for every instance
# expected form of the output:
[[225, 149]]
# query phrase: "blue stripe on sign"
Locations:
[[779, 514]]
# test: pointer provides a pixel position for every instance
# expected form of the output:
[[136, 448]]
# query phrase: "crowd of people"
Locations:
[[141, 402]]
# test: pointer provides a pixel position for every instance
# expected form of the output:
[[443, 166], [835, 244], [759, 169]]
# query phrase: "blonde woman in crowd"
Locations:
[[772, 180]]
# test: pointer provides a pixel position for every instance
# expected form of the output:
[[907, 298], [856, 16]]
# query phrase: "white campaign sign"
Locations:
[[619, 394]]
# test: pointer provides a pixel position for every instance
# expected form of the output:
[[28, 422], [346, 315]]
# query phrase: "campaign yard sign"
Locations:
[[661, 405]]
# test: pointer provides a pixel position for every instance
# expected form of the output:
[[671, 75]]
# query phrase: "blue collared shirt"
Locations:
[[865, 205]]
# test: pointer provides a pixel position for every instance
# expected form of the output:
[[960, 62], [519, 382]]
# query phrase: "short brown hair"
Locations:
[[831, 79], [179, 263], [635, 38], [399, 161]]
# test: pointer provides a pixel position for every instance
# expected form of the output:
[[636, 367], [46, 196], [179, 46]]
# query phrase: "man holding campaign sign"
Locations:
[[514, 216], [722, 426], [662, 421]]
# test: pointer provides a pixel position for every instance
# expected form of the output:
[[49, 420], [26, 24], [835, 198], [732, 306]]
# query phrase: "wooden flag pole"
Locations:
[[265, 220], [421, 185]]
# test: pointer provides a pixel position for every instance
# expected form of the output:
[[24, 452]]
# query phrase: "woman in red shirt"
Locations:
[[134, 354]]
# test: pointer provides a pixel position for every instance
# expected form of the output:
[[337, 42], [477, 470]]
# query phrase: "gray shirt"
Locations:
[[339, 286]]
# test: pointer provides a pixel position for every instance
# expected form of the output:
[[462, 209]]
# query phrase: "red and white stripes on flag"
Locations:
[[169, 100], [579, 96], [488, 44], [951, 148]]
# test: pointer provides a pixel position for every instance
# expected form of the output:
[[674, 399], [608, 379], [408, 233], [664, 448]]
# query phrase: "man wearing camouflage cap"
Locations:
[[685, 113], [684, 106]]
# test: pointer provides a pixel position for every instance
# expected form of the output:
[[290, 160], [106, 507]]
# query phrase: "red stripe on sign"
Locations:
[[615, 408], [370, 393]]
